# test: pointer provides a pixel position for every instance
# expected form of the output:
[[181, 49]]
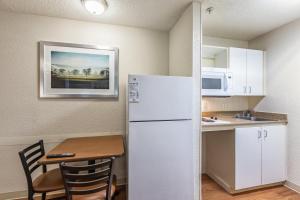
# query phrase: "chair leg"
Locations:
[[44, 196], [30, 195]]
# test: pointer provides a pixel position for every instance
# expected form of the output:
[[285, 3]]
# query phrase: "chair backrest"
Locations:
[[29, 157], [89, 178]]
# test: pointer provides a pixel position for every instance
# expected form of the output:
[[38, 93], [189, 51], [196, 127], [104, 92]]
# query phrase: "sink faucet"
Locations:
[[247, 113]]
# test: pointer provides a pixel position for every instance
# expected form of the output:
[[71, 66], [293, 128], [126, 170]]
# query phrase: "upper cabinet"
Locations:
[[247, 68], [238, 68], [255, 72]]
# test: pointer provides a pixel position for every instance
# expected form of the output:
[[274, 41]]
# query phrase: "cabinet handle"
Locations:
[[259, 134], [245, 89], [250, 89], [265, 133]]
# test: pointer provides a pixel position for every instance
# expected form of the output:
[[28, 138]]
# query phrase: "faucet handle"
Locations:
[[248, 113]]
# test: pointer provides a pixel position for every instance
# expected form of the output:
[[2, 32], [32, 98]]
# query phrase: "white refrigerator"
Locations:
[[160, 138]]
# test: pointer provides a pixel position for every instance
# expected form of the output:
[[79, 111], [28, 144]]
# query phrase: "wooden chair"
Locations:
[[48, 181], [89, 182]]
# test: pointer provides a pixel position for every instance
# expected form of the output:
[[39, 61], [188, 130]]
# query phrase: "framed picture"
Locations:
[[75, 70]]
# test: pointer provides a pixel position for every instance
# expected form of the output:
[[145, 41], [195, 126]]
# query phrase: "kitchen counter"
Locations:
[[228, 122]]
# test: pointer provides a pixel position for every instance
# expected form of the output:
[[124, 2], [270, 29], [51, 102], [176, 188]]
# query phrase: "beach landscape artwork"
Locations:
[[73, 70]]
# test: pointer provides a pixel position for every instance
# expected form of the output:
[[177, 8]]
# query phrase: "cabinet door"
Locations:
[[255, 72], [247, 157], [237, 66], [274, 154]]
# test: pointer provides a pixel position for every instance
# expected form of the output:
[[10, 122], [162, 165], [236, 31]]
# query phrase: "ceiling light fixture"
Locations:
[[96, 7]]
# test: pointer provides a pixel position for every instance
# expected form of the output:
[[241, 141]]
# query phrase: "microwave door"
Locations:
[[211, 83], [214, 85]]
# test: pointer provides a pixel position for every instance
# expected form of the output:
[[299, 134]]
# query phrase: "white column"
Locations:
[[197, 43]]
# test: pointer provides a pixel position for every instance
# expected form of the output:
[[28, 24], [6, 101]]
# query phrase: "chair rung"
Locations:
[[33, 153], [89, 175], [34, 168], [87, 183], [31, 147], [88, 191], [34, 160], [87, 167]]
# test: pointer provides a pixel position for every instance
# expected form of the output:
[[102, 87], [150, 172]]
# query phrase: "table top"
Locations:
[[87, 148]]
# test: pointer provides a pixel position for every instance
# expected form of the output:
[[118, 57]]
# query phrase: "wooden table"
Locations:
[[87, 148]]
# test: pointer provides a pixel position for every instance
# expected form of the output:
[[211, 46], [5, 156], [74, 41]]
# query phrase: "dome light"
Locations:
[[96, 7]]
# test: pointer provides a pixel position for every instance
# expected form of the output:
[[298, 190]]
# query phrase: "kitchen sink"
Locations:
[[260, 119], [252, 118]]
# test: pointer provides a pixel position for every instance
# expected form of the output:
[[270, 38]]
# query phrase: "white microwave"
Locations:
[[218, 84]]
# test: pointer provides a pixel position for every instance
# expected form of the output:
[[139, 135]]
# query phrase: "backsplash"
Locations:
[[224, 104]]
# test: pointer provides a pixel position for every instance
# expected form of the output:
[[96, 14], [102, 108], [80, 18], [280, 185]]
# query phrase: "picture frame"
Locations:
[[78, 71]]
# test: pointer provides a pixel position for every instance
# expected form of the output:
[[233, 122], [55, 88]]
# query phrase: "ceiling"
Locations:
[[233, 19], [153, 14], [247, 19]]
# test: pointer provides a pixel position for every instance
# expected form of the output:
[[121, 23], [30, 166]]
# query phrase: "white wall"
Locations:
[[283, 93], [25, 118], [231, 103]]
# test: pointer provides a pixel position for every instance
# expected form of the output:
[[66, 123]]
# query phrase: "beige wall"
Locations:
[[224, 104], [224, 42], [231, 103], [25, 118], [180, 50], [283, 61]]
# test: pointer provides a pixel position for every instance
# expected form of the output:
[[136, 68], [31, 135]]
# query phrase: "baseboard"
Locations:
[[231, 190], [121, 181], [292, 186], [13, 195], [221, 182]]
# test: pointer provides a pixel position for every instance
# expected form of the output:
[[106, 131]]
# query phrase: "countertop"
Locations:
[[230, 123]]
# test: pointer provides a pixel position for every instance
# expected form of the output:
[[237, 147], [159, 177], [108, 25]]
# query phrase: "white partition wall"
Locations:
[[185, 60], [197, 54]]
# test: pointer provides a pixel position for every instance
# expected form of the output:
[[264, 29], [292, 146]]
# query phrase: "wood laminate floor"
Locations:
[[212, 191]]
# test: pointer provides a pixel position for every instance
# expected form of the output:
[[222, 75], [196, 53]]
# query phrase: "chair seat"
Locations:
[[98, 195], [49, 181]]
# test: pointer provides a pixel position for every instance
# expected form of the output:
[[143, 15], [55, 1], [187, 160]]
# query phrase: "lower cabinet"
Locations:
[[260, 156], [274, 153], [247, 157]]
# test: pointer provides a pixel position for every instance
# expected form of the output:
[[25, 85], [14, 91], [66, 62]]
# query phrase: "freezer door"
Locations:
[[160, 160], [159, 97]]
